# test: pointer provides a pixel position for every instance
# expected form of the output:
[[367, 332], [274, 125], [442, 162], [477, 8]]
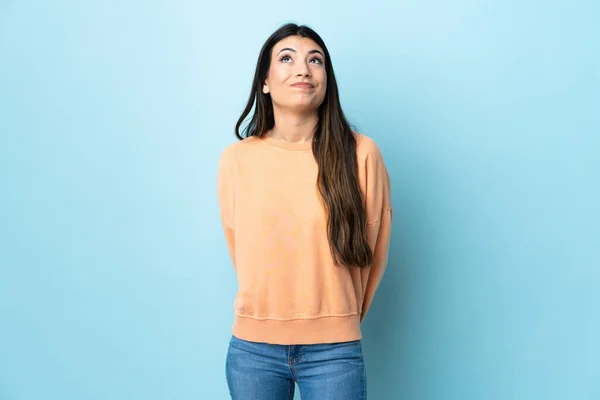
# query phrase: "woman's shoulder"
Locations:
[[366, 146], [237, 149]]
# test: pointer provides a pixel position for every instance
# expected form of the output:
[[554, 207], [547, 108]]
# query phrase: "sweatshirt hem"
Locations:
[[326, 329]]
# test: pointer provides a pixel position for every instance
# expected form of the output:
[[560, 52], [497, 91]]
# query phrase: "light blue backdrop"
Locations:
[[115, 281]]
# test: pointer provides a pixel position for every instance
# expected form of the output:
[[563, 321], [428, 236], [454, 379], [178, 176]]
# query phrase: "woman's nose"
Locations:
[[303, 70]]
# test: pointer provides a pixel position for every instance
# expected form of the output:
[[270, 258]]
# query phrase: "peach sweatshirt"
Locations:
[[289, 291]]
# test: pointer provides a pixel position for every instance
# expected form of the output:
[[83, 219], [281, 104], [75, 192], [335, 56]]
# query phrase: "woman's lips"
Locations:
[[303, 85]]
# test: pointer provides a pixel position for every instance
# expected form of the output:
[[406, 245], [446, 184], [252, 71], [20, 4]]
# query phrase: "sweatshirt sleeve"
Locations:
[[379, 221], [226, 195]]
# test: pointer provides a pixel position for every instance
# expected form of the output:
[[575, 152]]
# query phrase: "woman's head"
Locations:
[[296, 78], [294, 54]]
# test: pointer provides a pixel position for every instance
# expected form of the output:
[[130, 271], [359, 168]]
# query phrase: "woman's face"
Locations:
[[297, 79]]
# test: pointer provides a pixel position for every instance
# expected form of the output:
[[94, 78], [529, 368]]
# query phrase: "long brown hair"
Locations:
[[334, 149]]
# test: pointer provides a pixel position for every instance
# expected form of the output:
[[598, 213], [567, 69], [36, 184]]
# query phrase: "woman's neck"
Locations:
[[294, 127]]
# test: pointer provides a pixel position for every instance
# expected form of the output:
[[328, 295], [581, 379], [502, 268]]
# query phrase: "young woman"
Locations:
[[306, 209]]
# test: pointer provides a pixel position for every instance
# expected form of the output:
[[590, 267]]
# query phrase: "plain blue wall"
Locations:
[[115, 281]]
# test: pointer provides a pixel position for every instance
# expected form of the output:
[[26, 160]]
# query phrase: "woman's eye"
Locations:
[[286, 59]]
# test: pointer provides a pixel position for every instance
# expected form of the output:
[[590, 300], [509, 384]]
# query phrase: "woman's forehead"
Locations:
[[297, 43]]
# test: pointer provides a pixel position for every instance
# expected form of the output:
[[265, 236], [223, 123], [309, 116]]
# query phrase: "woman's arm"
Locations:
[[379, 219], [226, 190]]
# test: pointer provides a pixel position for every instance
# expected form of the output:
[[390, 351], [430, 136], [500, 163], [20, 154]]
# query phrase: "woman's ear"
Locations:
[[265, 88]]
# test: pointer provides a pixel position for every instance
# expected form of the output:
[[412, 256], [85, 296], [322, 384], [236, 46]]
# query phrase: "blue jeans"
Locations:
[[262, 371]]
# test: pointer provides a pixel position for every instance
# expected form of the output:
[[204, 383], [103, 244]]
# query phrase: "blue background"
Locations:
[[115, 281]]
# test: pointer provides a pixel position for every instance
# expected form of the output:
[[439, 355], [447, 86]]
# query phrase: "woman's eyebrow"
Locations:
[[294, 50]]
